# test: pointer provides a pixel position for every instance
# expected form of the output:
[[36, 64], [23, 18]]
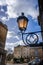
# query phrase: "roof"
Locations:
[[32, 45], [3, 25]]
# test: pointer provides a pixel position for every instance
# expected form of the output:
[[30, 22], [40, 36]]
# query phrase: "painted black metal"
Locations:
[[34, 33], [35, 41]]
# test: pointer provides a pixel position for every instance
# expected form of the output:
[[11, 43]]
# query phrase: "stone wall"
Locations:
[[3, 33], [28, 52]]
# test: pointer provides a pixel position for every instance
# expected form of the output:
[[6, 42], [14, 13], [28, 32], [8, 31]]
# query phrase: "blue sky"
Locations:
[[10, 10]]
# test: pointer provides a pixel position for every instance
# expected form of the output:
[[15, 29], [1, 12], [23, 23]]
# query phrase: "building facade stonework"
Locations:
[[3, 33], [28, 52]]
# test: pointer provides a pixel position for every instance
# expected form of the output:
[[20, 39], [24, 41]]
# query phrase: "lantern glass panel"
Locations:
[[22, 23], [25, 24]]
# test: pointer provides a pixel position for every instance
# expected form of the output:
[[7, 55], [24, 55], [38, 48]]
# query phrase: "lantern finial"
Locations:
[[22, 14]]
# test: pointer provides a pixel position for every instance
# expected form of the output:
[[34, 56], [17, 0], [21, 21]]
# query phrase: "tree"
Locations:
[[9, 57]]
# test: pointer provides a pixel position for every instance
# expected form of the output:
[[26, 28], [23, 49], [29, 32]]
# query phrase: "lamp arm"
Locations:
[[23, 38], [27, 40]]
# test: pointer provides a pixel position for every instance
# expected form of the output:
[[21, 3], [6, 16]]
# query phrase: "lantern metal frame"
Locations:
[[22, 17]]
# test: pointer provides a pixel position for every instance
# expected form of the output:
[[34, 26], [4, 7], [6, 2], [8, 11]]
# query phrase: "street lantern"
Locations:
[[22, 22], [31, 38]]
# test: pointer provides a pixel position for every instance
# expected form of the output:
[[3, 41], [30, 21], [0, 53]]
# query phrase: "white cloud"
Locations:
[[9, 35], [15, 7], [16, 37], [40, 37], [2, 2], [10, 8], [11, 12], [4, 19], [9, 45], [10, 2], [12, 45], [34, 13], [12, 34], [19, 43]]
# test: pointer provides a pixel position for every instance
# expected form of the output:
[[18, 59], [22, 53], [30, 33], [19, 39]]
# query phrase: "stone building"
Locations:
[[40, 17], [28, 52], [3, 33], [17, 52]]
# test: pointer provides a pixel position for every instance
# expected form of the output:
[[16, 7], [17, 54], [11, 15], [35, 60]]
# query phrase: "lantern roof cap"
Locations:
[[22, 17]]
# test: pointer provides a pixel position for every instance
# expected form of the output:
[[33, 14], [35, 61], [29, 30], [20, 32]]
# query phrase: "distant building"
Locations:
[[28, 52], [3, 33]]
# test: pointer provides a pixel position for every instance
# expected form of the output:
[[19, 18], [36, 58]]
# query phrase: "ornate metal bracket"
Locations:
[[30, 38]]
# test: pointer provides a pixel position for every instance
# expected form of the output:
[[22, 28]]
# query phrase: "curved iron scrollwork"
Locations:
[[30, 38]]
